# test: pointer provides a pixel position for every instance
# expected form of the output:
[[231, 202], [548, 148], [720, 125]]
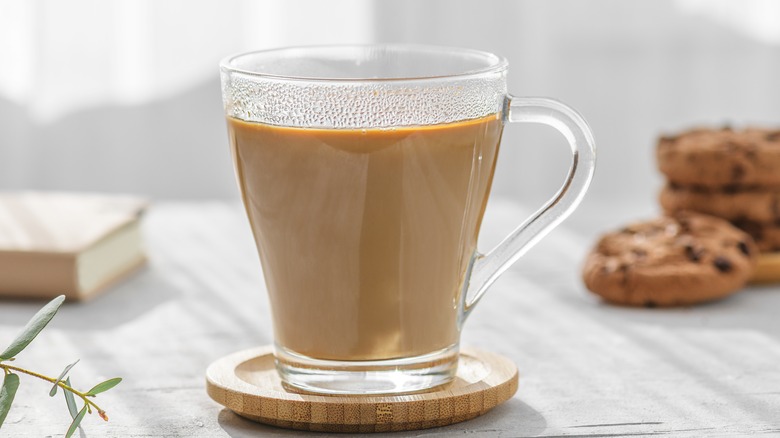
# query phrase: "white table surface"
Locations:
[[587, 369]]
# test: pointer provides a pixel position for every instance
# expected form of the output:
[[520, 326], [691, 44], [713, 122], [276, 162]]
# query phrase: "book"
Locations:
[[67, 243]]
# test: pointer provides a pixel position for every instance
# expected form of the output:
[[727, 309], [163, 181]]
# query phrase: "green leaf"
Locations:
[[33, 327], [76, 422], [7, 393], [104, 386], [70, 400], [53, 391]]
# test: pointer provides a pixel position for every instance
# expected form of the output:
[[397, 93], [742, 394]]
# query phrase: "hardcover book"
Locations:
[[67, 243]]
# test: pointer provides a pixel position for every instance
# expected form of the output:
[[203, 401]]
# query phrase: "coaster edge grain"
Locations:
[[360, 414]]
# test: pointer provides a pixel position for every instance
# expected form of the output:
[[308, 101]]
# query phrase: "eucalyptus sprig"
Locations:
[[11, 373]]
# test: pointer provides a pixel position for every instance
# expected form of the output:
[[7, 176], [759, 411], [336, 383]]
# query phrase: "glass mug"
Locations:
[[365, 172]]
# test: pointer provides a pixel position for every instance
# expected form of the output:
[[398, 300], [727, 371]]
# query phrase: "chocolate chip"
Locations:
[[726, 127], [731, 189], [773, 136], [650, 304], [744, 248], [692, 253], [668, 138], [755, 230], [722, 264]]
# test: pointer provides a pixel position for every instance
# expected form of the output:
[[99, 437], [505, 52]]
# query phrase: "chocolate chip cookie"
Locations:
[[756, 205], [721, 158], [674, 260]]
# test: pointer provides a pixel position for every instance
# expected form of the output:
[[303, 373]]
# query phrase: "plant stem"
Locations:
[[60, 383]]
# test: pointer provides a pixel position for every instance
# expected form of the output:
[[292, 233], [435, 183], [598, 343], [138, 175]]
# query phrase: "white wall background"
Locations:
[[123, 95]]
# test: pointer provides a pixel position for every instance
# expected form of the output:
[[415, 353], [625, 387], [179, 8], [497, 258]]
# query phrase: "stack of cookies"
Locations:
[[732, 174], [722, 207]]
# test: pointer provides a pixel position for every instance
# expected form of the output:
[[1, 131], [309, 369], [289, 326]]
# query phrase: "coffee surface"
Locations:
[[365, 235]]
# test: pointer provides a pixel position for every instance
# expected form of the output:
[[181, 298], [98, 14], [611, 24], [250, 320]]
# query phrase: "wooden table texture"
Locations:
[[587, 369]]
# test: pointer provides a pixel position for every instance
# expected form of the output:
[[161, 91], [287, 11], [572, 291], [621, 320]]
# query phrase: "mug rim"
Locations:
[[496, 63]]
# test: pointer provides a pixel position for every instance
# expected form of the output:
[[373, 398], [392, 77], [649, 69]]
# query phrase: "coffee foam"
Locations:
[[361, 104]]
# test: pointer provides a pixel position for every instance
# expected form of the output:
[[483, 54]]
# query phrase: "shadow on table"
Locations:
[[513, 418], [738, 334], [754, 308], [121, 303]]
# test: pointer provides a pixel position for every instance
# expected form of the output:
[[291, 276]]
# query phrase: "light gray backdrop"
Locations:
[[633, 69]]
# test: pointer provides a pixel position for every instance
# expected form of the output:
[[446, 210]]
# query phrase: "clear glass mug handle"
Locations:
[[485, 269]]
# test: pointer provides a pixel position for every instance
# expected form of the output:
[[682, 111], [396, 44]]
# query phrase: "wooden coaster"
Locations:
[[246, 382], [767, 268]]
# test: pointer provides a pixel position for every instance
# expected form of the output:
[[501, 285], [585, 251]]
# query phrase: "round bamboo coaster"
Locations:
[[246, 382], [767, 268]]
